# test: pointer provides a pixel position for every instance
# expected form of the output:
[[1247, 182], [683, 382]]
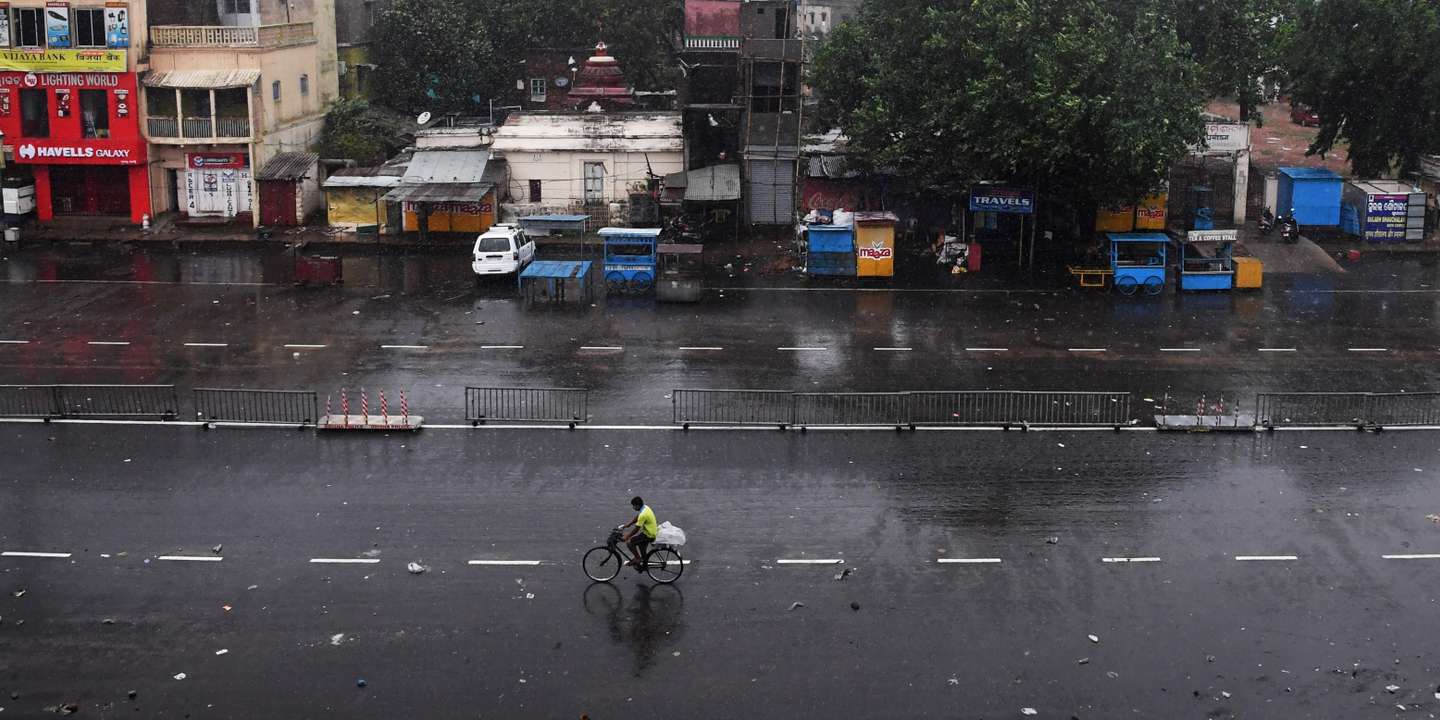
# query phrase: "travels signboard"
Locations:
[[62, 60], [1002, 200]]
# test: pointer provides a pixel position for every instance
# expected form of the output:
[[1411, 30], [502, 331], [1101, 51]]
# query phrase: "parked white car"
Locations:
[[502, 250]]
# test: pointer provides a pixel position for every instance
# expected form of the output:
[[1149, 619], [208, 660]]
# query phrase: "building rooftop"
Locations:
[[601, 132]]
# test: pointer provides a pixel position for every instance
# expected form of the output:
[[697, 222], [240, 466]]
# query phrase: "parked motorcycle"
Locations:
[[1289, 230], [679, 231], [1267, 222]]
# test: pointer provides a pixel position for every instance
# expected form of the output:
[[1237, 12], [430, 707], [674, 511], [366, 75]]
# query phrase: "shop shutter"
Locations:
[[771, 188]]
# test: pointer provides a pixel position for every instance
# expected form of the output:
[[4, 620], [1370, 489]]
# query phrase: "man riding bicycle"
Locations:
[[643, 531]]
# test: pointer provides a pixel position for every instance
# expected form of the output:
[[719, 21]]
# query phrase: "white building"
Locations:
[[584, 162]]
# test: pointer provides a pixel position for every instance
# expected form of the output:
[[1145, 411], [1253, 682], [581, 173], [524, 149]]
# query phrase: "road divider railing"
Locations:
[[509, 404], [732, 407], [1007, 409], [148, 402], [1347, 409], [259, 407]]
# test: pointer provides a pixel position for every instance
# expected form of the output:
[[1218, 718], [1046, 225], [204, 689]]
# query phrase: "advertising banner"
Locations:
[[62, 60], [1386, 217], [4, 24], [117, 25], [1002, 200], [215, 160], [57, 25], [1226, 137], [80, 152]]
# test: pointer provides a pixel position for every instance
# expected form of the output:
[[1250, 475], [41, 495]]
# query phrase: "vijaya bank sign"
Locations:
[[79, 152]]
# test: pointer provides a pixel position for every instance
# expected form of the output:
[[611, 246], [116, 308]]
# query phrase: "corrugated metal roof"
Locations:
[[288, 166], [201, 78], [447, 166], [439, 193], [367, 181], [717, 182], [591, 132]]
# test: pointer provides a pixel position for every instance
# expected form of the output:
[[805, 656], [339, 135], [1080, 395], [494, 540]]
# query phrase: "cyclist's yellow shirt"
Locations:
[[646, 521]]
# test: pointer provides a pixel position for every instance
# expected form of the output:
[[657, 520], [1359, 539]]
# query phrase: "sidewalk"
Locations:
[[165, 230]]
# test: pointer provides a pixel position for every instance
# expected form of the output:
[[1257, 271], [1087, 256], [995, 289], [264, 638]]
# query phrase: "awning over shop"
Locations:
[[215, 79], [288, 166], [439, 193]]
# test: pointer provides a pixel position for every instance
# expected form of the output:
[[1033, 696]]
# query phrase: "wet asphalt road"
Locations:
[[1197, 633], [231, 318]]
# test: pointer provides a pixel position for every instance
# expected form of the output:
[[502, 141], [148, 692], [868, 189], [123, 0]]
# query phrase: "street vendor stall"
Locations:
[[630, 259], [682, 277], [1138, 261], [1207, 260]]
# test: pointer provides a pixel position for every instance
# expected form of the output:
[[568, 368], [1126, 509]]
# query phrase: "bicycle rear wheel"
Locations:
[[664, 565], [601, 564]]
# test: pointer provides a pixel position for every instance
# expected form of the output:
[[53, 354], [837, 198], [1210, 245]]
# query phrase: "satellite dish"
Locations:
[[424, 118]]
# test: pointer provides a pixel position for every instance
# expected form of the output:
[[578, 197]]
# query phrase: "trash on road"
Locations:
[[1433, 518], [1391, 688], [218, 547], [855, 606], [1052, 540], [1083, 661], [253, 587], [180, 676], [1094, 638], [65, 709], [108, 621], [132, 694], [1029, 711], [221, 651], [1112, 674], [360, 682], [416, 568], [18, 593], [843, 574], [796, 604], [337, 638], [1225, 693]]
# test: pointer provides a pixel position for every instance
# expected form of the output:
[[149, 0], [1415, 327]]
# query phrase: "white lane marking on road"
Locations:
[[207, 345], [503, 562], [1179, 349], [502, 347], [1421, 556], [192, 558], [1277, 349], [295, 346], [894, 349], [698, 348], [810, 561], [602, 347], [1368, 349], [801, 349], [1091, 350], [969, 561], [26, 553], [1130, 559], [982, 349], [108, 342], [14, 342], [346, 561], [404, 347], [1266, 557]]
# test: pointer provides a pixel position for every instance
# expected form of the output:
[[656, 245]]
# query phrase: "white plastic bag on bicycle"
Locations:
[[669, 535]]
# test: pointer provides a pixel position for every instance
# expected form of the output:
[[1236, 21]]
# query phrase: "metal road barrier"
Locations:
[[89, 401], [1354, 409], [732, 407], [1003, 408], [1020, 407], [567, 405], [850, 409], [282, 407]]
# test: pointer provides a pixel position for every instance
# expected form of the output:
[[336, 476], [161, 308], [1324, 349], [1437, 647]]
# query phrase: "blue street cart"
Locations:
[[1207, 260], [1138, 261], [630, 259]]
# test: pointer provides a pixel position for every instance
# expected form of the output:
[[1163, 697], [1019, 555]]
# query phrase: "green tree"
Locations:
[[1235, 43], [1089, 99], [1371, 70], [437, 55], [357, 131]]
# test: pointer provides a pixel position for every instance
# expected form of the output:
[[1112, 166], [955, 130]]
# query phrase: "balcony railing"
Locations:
[[258, 36], [711, 42], [199, 128]]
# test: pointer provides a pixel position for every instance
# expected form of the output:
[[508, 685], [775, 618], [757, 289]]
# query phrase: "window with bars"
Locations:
[[29, 27], [89, 27]]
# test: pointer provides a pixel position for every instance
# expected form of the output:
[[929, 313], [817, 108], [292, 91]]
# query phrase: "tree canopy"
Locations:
[[357, 130], [1371, 70], [1091, 99], [455, 55], [1234, 43]]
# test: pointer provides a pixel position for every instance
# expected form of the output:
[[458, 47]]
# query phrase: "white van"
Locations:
[[502, 250]]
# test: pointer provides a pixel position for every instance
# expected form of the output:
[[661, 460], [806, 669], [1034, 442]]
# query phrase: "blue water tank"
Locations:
[[831, 238], [1311, 195]]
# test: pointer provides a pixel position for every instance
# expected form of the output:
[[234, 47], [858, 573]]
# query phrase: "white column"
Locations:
[[1242, 184]]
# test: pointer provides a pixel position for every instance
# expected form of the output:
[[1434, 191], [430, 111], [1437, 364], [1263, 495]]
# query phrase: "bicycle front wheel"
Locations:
[[601, 564], [664, 565]]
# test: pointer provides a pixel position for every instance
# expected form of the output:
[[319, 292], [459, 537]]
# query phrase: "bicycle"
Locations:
[[661, 562]]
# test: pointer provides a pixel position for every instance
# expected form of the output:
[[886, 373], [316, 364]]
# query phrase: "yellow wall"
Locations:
[[349, 207], [456, 217]]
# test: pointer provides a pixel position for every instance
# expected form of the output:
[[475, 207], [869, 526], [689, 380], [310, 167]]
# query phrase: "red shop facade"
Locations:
[[78, 134]]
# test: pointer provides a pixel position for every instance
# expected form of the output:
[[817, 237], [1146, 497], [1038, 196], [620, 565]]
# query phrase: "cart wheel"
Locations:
[[1154, 285], [641, 283], [1126, 285]]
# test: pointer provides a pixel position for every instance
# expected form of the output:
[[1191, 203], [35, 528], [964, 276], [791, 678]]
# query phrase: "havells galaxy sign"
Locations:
[[1002, 200], [113, 152]]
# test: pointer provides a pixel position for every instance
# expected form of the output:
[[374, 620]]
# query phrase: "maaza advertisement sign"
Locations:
[[62, 60], [1386, 217]]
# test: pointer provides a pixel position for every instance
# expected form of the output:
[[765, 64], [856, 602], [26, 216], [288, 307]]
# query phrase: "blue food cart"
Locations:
[[1207, 260], [1138, 261], [630, 259]]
